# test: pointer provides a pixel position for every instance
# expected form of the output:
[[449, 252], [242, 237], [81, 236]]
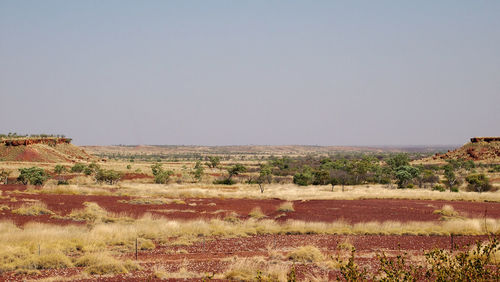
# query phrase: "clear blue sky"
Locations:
[[251, 72]]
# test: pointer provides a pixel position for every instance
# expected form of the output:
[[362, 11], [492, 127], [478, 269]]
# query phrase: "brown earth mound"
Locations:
[[41, 150], [476, 151]]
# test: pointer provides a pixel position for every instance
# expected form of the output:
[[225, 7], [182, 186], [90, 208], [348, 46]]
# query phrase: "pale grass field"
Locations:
[[288, 192]]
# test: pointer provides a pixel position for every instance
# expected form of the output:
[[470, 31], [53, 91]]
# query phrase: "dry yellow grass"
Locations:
[[257, 213], [288, 192], [19, 245], [103, 263], [33, 209], [286, 207], [307, 253], [249, 269]]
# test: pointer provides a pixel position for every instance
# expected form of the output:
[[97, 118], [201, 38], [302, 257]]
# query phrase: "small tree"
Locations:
[[235, 170], [198, 171], [478, 182], [398, 160], [60, 169], [305, 177], [108, 176], [161, 176], [33, 175], [404, 174], [78, 167], [213, 161], [450, 177], [265, 176]]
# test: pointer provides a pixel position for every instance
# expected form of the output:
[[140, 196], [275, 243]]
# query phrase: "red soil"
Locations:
[[353, 211], [29, 155], [211, 255], [132, 176]]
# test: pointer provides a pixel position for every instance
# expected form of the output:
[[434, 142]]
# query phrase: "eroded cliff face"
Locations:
[[31, 141], [42, 150], [484, 139]]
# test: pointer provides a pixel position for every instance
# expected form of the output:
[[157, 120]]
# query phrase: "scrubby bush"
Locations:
[[439, 188], [108, 176], [303, 178], [59, 169], [161, 176], [213, 161], [33, 175], [78, 167], [478, 183]]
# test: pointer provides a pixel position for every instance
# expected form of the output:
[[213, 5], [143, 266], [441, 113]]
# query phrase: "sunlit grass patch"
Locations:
[[33, 209], [257, 213], [307, 253], [286, 207]]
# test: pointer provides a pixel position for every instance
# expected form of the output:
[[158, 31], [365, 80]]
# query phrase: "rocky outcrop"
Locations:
[[32, 141], [479, 149], [484, 139]]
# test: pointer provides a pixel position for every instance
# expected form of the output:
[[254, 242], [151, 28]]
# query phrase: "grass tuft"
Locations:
[[257, 213], [286, 207], [307, 253], [33, 209]]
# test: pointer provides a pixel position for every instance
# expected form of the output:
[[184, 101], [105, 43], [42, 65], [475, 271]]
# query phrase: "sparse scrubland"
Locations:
[[91, 218]]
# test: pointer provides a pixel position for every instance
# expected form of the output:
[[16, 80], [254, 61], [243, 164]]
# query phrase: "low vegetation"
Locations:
[[33, 209]]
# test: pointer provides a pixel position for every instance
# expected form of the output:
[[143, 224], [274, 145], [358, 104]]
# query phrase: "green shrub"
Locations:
[[225, 181], [108, 176], [78, 167], [33, 175], [439, 188], [478, 183], [303, 178]]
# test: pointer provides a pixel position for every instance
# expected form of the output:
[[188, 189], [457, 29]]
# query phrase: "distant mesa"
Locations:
[[478, 149], [484, 139], [41, 149], [51, 141]]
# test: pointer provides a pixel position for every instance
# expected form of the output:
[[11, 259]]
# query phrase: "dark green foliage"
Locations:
[[478, 183], [107, 176], [213, 161], [161, 176], [78, 167], [303, 178], [450, 177], [405, 174], [427, 176], [198, 171], [398, 160], [33, 175], [439, 188], [236, 169], [59, 169], [224, 181]]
